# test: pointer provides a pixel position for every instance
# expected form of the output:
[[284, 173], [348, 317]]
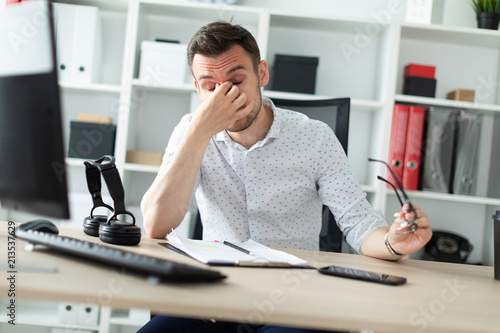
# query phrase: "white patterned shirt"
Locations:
[[273, 192]]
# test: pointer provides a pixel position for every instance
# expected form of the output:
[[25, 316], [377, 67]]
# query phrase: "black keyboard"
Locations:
[[156, 269]]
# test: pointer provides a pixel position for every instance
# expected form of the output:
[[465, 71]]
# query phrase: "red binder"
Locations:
[[398, 141], [413, 152]]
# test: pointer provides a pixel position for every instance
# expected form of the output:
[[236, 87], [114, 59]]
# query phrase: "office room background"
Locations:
[[119, 104]]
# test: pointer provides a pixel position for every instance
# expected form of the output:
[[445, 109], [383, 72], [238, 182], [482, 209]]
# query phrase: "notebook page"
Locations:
[[210, 252]]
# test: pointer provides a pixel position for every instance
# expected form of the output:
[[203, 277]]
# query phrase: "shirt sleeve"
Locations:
[[340, 191]]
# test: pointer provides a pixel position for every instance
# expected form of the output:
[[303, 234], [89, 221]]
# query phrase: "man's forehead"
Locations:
[[231, 61]]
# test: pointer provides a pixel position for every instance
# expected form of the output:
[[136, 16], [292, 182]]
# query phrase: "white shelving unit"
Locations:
[[366, 68], [45, 316]]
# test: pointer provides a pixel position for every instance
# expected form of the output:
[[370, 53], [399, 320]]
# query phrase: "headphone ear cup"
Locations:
[[120, 233], [91, 224]]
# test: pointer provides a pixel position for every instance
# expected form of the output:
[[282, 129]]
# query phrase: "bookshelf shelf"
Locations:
[[188, 88], [462, 36], [94, 87], [452, 197], [427, 101]]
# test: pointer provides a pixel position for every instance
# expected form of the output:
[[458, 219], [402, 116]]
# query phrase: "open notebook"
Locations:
[[220, 254]]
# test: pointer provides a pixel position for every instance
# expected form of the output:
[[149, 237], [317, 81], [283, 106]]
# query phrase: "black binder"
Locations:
[[468, 134], [439, 150]]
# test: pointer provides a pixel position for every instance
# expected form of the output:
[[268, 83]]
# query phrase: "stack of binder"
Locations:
[[78, 43], [406, 144], [435, 149]]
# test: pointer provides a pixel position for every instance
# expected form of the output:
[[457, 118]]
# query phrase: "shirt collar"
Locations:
[[274, 131]]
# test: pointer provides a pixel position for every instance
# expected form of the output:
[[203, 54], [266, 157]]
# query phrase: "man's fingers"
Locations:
[[244, 111], [233, 92], [224, 88], [240, 101]]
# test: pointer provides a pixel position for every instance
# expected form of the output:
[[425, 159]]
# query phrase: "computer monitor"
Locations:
[[32, 166]]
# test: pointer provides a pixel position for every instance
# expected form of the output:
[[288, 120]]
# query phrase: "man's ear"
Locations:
[[263, 73]]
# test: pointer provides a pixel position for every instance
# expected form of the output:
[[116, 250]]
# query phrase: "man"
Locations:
[[258, 171]]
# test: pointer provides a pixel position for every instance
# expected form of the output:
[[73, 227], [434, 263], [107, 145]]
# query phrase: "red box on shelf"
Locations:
[[417, 70]]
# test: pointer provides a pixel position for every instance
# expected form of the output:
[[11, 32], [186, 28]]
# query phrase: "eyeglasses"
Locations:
[[406, 226]]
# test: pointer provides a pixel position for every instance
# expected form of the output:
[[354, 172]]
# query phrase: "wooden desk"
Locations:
[[438, 297]]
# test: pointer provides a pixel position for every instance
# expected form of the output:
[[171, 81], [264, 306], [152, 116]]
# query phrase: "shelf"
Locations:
[[90, 87], [188, 88], [368, 188], [366, 105], [451, 35], [451, 197], [198, 10], [489, 108]]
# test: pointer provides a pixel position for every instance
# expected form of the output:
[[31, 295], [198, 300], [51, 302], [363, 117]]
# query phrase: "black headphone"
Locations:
[[109, 229], [92, 223]]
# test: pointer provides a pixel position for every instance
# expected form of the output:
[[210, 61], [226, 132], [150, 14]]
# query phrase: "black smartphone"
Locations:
[[362, 275]]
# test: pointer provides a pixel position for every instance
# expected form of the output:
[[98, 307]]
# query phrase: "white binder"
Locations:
[[64, 28], [87, 45], [78, 42]]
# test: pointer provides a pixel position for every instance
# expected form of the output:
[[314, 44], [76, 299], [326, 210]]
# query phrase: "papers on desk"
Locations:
[[219, 254]]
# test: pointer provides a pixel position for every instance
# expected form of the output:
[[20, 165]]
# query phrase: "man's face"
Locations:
[[234, 66]]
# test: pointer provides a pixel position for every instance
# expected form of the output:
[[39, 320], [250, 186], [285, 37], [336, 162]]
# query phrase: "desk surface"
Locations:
[[438, 297]]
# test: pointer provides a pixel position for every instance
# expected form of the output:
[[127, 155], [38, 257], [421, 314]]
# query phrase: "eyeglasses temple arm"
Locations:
[[395, 190], [395, 178]]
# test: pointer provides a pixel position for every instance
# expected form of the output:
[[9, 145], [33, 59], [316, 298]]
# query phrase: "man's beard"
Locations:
[[246, 122]]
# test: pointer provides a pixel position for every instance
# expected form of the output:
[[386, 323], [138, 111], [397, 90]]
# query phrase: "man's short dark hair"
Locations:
[[215, 38]]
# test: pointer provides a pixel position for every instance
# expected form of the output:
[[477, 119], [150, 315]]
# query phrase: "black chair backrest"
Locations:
[[335, 113]]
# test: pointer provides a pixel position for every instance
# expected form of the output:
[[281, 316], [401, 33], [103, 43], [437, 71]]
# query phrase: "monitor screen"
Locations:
[[32, 166]]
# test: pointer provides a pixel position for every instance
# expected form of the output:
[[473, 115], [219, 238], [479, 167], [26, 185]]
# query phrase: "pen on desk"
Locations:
[[238, 248]]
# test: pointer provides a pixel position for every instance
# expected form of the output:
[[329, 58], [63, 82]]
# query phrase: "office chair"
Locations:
[[335, 113]]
